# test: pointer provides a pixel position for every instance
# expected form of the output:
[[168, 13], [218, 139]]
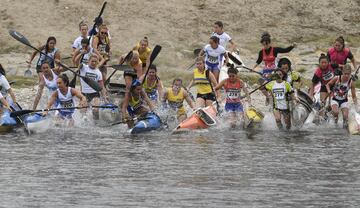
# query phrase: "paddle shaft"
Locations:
[[23, 112], [122, 62]]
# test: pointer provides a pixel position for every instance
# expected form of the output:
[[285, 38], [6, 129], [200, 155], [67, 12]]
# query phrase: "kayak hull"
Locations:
[[37, 123], [302, 110], [354, 123], [253, 117], [151, 122], [201, 119]]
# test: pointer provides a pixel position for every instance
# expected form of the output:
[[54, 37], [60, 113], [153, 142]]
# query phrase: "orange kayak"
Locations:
[[201, 119]]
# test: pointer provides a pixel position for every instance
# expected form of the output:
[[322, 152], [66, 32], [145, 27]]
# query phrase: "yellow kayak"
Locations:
[[253, 116]]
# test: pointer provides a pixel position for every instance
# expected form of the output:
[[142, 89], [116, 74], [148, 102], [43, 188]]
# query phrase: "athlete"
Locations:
[[152, 85], [341, 85], [174, 98], [233, 87]]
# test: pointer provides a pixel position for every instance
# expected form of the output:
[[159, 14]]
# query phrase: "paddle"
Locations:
[[355, 77], [23, 112], [238, 62], [19, 37], [256, 89], [19, 119], [153, 55], [118, 67], [73, 81]]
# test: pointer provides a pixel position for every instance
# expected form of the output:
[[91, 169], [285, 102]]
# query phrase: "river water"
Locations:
[[105, 167]]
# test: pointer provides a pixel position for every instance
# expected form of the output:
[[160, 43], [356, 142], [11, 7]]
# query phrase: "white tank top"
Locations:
[[66, 101], [93, 74], [51, 85], [43, 58]]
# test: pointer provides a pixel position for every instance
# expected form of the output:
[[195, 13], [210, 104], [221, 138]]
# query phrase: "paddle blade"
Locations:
[[20, 113], [154, 53], [19, 37], [234, 59], [93, 84], [121, 67]]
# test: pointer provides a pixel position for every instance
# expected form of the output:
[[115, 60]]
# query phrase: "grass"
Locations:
[[23, 82]]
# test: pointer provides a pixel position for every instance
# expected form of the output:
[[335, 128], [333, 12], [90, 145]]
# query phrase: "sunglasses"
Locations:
[[103, 33]]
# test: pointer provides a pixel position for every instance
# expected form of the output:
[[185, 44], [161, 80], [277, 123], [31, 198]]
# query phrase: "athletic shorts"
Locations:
[[91, 96], [66, 114], [207, 96], [265, 73], [234, 107], [340, 103], [213, 67], [283, 111]]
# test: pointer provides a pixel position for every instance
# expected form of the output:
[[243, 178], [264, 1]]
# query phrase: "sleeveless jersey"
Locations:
[[232, 91], [51, 85], [269, 59], [202, 82], [66, 101], [175, 101]]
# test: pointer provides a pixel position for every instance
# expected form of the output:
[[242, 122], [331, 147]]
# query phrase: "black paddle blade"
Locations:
[[154, 53], [20, 113], [19, 37], [93, 84], [121, 67], [234, 59], [102, 10]]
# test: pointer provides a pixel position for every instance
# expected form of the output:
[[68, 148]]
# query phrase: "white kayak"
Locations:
[[354, 123], [223, 72]]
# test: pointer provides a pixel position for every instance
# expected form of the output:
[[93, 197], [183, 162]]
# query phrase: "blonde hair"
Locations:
[[347, 68], [200, 58]]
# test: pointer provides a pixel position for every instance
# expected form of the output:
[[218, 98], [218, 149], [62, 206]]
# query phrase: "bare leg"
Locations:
[[335, 112], [277, 116], [200, 102], [345, 112]]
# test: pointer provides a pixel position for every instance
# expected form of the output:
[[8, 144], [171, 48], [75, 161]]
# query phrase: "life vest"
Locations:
[[44, 58], [175, 101], [150, 89], [341, 89], [135, 104], [202, 81], [325, 75], [269, 59], [103, 47], [143, 55], [66, 101], [338, 57], [232, 91]]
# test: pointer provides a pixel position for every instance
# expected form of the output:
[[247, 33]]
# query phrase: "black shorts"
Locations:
[[91, 96], [130, 73], [208, 96], [323, 88], [283, 111]]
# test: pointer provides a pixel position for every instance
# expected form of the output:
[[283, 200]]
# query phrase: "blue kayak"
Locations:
[[149, 123], [6, 120]]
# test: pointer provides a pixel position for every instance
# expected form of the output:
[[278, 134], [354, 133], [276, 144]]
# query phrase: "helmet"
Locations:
[[135, 83]]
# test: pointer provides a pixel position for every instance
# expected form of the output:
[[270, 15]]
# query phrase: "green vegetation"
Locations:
[[23, 82]]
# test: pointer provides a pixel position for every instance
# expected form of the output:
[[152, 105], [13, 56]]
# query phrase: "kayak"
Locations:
[[223, 71], [302, 110], [37, 123], [109, 114], [33, 122], [354, 123], [253, 117], [149, 123], [201, 118]]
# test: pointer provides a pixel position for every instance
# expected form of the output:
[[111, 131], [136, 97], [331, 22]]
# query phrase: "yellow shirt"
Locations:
[[176, 101], [280, 92], [152, 88], [133, 65], [201, 82], [145, 54], [134, 104]]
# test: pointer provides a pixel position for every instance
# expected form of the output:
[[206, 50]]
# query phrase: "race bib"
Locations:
[[67, 104], [279, 94], [233, 95], [328, 76], [212, 59], [91, 76]]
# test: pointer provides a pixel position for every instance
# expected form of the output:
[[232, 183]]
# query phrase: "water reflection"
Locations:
[[93, 167]]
